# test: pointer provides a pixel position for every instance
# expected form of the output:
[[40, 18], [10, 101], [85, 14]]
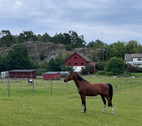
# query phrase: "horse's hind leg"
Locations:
[[110, 104], [103, 98], [83, 104]]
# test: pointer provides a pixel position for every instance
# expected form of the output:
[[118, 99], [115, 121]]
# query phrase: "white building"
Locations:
[[4, 74], [134, 59]]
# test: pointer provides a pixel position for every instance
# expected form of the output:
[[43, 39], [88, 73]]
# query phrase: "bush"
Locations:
[[90, 68], [100, 65], [115, 65], [101, 72], [131, 69], [84, 71]]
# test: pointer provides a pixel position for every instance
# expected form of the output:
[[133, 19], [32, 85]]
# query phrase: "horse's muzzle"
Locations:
[[65, 81]]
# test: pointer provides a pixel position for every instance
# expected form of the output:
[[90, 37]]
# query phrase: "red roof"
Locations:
[[81, 55]]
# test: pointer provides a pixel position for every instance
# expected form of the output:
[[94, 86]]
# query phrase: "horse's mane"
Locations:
[[79, 77]]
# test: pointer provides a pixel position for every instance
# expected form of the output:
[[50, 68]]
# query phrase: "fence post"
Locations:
[[8, 87], [21, 83], [51, 87], [33, 87], [126, 84]]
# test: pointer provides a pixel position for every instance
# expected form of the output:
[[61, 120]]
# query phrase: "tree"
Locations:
[[26, 36], [46, 38], [58, 38], [52, 66], [7, 39], [98, 44], [42, 57], [115, 65], [18, 58], [100, 49], [131, 46], [77, 41], [101, 65], [116, 49]]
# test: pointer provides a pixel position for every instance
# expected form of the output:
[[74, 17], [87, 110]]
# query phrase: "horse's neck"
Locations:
[[77, 82]]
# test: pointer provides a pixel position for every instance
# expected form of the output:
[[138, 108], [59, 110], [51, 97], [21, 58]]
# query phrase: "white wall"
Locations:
[[78, 68], [5, 74]]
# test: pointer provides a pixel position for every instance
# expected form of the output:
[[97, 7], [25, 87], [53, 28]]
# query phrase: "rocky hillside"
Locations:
[[49, 50]]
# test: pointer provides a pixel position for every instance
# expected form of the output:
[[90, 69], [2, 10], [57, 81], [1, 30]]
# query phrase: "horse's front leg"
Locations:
[[83, 97]]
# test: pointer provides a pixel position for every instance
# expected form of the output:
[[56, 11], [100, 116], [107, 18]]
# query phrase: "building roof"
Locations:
[[85, 57], [22, 70], [81, 55], [129, 57], [51, 72]]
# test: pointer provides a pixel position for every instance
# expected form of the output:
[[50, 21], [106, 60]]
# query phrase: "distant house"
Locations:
[[78, 61], [22, 73], [4, 74], [134, 59], [51, 75]]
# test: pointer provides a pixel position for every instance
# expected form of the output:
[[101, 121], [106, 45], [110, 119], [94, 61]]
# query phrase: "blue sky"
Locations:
[[107, 20]]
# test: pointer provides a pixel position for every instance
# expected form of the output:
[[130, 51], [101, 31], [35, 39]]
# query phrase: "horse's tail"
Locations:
[[110, 91]]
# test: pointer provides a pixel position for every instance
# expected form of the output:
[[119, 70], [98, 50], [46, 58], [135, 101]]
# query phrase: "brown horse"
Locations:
[[87, 89]]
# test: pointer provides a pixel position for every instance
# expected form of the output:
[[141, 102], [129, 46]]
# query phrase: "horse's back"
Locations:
[[96, 89]]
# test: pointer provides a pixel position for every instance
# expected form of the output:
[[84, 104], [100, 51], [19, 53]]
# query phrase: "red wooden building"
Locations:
[[78, 61], [22, 73], [51, 75]]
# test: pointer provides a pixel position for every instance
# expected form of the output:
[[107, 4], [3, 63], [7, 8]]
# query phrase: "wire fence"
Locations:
[[22, 87]]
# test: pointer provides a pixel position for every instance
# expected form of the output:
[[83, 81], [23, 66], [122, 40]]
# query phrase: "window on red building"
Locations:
[[75, 58], [69, 64], [75, 63]]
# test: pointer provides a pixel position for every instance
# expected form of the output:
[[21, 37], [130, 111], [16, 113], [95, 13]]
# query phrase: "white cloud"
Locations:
[[107, 20]]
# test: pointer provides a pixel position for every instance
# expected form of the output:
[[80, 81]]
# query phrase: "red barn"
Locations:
[[22, 73], [78, 61], [51, 75]]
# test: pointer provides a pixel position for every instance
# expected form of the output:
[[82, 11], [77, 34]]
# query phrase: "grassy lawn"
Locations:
[[63, 108]]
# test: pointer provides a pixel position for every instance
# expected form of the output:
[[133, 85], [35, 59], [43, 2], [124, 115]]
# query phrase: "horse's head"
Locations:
[[70, 76]]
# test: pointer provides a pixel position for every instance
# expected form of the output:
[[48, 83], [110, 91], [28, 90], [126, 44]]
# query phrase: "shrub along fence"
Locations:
[[38, 87]]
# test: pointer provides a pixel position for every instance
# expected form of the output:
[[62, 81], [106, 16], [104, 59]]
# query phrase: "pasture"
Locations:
[[63, 108]]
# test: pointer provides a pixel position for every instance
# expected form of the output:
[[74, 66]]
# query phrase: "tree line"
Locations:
[[102, 52], [70, 39]]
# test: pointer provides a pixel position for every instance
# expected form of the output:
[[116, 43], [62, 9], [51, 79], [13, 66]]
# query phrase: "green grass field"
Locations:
[[63, 108]]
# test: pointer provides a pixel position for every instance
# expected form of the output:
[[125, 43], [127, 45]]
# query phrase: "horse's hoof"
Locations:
[[83, 112]]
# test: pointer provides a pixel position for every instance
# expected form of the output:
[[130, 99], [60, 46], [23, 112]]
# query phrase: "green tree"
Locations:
[[58, 64], [100, 49], [98, 44], [132, 46], [46, 38], [42, 57], [52, 65], [6, 38], [18, 58], [27, 36], [76, 40], [58, 38], [101, 65], [116, 49], [115, 65]]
